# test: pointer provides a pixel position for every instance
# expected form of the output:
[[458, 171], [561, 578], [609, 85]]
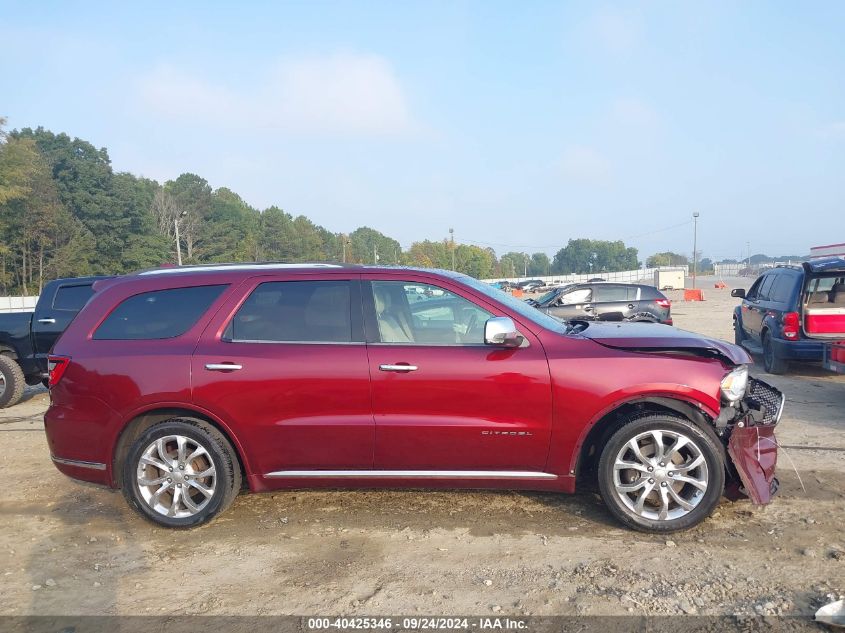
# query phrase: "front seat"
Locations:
[[393, 328]]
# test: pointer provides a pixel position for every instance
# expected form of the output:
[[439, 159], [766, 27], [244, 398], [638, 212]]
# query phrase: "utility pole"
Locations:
[[375, 254], [694, 247], [178, 245], [452, 243]]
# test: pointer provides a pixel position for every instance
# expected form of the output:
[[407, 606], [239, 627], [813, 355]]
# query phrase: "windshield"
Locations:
[[520, 307], [548, 296]]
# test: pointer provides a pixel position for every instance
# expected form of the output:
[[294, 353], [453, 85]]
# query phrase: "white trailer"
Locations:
[[670, 278]]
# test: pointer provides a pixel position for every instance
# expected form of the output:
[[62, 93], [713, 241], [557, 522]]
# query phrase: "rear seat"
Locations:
[[818, 297], [837, 295]]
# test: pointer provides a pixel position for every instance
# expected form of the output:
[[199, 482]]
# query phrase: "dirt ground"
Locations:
[[69, 549]]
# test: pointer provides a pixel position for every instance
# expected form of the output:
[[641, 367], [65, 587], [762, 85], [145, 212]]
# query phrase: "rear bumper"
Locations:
[[798, 350], [78, 439]]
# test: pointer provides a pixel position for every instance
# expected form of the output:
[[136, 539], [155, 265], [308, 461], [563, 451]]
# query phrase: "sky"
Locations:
[[520, 125]]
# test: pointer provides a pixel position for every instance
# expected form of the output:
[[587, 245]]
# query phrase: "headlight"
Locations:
[[735, 384]]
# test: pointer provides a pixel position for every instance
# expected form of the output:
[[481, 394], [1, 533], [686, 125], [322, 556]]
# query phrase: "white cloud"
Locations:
[[835, 130], [616, 31], [583, 164], [634, 113], [348, 94]]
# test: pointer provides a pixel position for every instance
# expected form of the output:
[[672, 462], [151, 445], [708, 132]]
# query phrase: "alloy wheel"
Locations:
[[176, 476], [660, 475]]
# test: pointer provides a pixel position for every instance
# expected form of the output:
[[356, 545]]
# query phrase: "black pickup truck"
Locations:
[[26, 337]]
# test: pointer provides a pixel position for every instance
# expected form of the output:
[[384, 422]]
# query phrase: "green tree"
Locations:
[[513, 264], [192, 196], [540, 265], [365, 243], [666, 258], [17, 162], [584, 256]]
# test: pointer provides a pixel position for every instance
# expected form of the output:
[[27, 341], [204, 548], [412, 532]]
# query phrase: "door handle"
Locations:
[[47, 321], [223, 367], [401, 368], [630, 306], [588, 308]]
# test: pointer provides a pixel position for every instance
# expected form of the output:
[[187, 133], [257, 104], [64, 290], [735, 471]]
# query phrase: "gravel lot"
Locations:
[[69, 549]]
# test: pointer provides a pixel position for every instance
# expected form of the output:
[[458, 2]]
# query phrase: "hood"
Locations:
[[653, 337]]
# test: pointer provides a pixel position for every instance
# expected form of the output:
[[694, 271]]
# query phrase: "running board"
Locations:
[[411, 474]]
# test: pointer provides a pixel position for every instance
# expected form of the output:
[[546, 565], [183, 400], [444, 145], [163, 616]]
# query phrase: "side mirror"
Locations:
[[738, 292], [501, 331]]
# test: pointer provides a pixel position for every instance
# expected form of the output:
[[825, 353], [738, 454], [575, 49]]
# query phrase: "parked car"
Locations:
[[532, 285], [783, 311], [603, 300], [26, 337], [180, 385]]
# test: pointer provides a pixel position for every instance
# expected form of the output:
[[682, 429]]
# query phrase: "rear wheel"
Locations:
[[772, 363], [661, 473], [739, 336], [12, 382], [181, 473]]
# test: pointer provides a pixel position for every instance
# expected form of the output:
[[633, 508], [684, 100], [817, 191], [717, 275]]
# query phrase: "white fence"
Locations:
[[641, 275], [18, 304]]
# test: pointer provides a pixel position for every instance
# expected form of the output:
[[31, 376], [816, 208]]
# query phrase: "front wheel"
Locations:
[[661, 473], [181, 473]]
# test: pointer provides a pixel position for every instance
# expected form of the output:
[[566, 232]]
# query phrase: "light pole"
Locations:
[[452, 241], [694, 247], [178, 245]]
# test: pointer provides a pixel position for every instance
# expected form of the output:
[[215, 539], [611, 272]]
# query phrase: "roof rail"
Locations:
[[196, 268]]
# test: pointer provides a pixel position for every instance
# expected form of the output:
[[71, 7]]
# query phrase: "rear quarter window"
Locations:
[[159, 314], [650, 292], [72, 298]]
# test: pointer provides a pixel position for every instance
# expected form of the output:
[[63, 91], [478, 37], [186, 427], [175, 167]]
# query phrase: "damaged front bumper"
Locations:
[[751, 443]]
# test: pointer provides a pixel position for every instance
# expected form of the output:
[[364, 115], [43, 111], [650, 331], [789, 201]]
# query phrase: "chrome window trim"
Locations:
[[78, 463], [414, 344], [236, 340], [412, 474]]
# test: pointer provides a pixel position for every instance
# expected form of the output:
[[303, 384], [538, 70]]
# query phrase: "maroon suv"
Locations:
[[182, 386]]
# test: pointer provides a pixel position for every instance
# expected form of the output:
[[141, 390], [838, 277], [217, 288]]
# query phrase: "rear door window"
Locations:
[[766, 287], [159, 314], [295, 312], [609, 293], [781, 290], [72, 298]]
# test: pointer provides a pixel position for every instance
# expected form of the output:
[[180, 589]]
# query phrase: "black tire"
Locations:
[[772, 363], [702, 502], [227, 477], [12, 382], [739, 335]]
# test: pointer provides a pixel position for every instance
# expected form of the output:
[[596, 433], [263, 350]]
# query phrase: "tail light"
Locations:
[[56, 366], [791, 321], [663, 303]]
